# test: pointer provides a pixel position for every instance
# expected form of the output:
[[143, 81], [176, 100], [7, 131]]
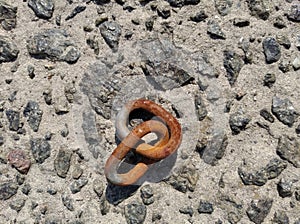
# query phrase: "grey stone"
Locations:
[[285, 65], [180, 3], [269, 79], [149, 23], [18, 159], [104, 206], [41, 149], [8, 16], [296, 63], [199, 16], [266, 115], [260, 8], [98, 187], [17, 204], [94, 44], [283, 40], [62, 162], [215, 148], [200, 107], [13, 119], [187, 210], [42, 8], [297, 130], [271, 50], [78, 9], [297, 194], [147, 194], [284, 188], [9, 51], [241, 22], [48, 96], [135, 212], [288, 148], [272, 170], [77, 172], [68, 202], [53, 44], [111, 32], [259, 209], [279, 22], [294, 14], [214, 30], [163, 10], [34, 115], [238, 121], [30, 70], [284, 111], [280, 217], [26, 188], [20, 179], [7, 190], [205, 207], [65, 131], [298, 42], [77, 185], [233, 64], [61, 105], [223, 6]]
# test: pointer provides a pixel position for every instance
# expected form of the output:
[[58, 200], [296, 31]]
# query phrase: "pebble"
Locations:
[[26, 188], [163, 10], [260, 8], [30, 70], [267, 115], [78, 9], [68, 202], [48, 96], [223, 6], [18, 159], [187, 210], [34, 115], [285, 65], [41, 149], [283, 40], [149, 23], [297, 42], [205, 207], [214, 30], [279, 22], [272, 170], [233, 64], [294, 14], [7, 190], [280, 217], [8, 16], [215, 148], [61, 105], [284, 111], [62, 162], [271, 50], [135, 212], [104, 206], [20, 179], [297, 130], [296, 63], [241, 22], [238, 121], [259, 209], [13, 117], [17, 204], [70, 90], [200, 107], [53, 44], [297, 194], [288, 149], [9, 50], [77, 172], [199, 16], [98, 187], [147, 194], [111, 33], [42, 8], [180, 3], [284, 188], [65, 131], [94, 44], [77, 185]]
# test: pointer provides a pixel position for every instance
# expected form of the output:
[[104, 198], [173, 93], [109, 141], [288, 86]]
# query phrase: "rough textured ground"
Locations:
[[227, 69]]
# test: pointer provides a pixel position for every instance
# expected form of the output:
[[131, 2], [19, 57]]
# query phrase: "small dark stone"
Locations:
[[156, 216], [271, 50], [164, 11], [284, 41], [297, 130], [76, 185], [62, 162], [187, 210], [17, 205], [214, 30], [14, 119], [200, 107], [147, 194], [7, 190], [65, 131], [279, 22], [51, 191], [34, 115], [238, 121], [30, 70], [259, 8], [294, 14], [8, 16], [41, 149], [297, 194], [9, 51], [68, 202], [48, 96], [58, 20], [233, 64], [199, 16], [285, 65], [42, 8], [53, 44], [269, 79], [18, 159], [149, 23], [280, 217], [26, 189], [223, 6], [267, 115], [78, 9], [241, 22], [284, 111], [288, 148], [180, 3], [135, 212], [205, 207], [111, 32], [284, 188], [258, 210]]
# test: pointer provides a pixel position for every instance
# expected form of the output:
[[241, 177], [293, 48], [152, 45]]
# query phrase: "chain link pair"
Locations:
[[167, 129]]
